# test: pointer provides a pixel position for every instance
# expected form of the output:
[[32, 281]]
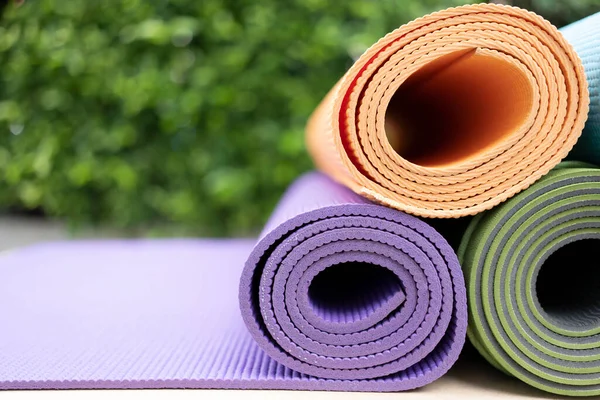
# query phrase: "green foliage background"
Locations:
[[179, 113]]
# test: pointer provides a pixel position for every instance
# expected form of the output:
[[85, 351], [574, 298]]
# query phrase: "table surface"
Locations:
[[470, 378]]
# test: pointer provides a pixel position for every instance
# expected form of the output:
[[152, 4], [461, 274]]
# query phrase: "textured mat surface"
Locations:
[[584, 35], [408, 328], [531, 267], [338, 294], [500, 92]]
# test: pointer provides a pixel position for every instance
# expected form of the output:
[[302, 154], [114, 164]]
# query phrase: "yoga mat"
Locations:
[[337, 294], [531, 268], [584, 35], [453, 113]]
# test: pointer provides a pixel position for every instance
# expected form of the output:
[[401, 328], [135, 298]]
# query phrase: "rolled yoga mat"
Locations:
[[584, 35], [453, 113], [338, 294], [531, 268]]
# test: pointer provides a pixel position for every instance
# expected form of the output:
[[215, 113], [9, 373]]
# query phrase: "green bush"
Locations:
[[560, 12], [130, 112], [188, 113]]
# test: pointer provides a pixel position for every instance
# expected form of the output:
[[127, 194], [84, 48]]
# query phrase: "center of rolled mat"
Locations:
[[353, 291], [457, 106], [568, 284]]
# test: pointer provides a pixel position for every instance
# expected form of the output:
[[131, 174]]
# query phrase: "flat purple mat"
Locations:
[[338, 294]]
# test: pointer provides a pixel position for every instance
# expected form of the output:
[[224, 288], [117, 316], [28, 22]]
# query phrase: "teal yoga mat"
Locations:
[[584, 35]]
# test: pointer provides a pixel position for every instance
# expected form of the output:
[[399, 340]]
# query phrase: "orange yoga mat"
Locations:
[[454, 112]]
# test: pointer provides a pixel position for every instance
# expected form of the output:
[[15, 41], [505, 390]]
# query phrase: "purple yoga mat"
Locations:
[[338, 294]]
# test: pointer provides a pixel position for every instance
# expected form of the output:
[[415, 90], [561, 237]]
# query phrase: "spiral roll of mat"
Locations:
[[353, 292], [453, 113], [531, 272]]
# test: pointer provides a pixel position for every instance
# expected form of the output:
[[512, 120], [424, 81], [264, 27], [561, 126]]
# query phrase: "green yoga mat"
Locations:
[[533, 281]]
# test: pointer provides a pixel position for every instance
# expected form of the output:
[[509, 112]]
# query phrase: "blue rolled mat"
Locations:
[[584, 35]]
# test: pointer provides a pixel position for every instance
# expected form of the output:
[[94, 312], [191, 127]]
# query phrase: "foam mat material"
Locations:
[[584, 35], [338, 294], [499, 91], [532, 280]]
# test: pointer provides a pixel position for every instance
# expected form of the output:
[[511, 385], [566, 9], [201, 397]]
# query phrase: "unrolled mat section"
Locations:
[[453, 113], [338, 294], [531, 267]]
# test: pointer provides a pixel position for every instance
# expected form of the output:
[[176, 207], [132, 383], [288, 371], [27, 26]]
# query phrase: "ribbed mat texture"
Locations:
[[499, 92], [338, 294], [531, 268], [584, 36]]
